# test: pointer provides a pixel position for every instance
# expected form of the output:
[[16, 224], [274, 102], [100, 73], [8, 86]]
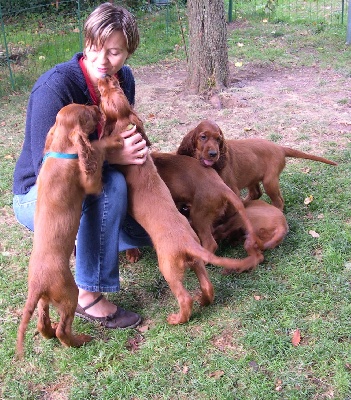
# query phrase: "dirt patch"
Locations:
[[305, 108]]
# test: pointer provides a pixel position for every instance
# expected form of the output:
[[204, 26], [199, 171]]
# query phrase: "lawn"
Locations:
[[282, 331]]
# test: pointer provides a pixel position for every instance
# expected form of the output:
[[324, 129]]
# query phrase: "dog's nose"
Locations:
[[212, 153]]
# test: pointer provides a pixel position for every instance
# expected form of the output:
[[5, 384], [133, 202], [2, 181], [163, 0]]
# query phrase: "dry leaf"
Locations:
[[133, 344], [185, 369], [308, 200], [238, 64], [256, 297], [240, 44], [296, 337], [216, 374], [143, 328], [313, 234]]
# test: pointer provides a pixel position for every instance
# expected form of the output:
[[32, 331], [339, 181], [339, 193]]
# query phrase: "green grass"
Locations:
[[238, 348]]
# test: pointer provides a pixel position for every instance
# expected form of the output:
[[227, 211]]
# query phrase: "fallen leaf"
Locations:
[[238, 64], [143, 328], [320, 216], [296, 337], [134, 343], [256, 297], [185, 369], [313, 234], [216, 374], [308, 200], [240, 44]]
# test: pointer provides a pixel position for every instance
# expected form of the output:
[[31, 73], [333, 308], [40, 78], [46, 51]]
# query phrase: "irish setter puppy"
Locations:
[[242, 163], [206, 196], [71, 169], [268, 221], [151, 204]]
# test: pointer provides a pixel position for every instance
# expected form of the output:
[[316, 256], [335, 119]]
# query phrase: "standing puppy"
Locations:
[[151, 204], [242, 163], [71, 169]]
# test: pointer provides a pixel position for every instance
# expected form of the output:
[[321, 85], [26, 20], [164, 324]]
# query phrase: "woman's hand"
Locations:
[[134, 150]]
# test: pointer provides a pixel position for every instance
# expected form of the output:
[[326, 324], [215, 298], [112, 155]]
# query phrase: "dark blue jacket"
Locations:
[[62, 85]]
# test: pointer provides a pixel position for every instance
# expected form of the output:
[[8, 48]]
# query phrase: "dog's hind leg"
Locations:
[[44, 324], [173, 273], [64, 327], [207, 293]]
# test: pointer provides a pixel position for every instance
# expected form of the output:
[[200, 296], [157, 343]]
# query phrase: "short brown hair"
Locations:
[[108, 18]]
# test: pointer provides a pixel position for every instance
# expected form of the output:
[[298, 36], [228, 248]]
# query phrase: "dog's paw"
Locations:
[[133, 255], [176, 319]]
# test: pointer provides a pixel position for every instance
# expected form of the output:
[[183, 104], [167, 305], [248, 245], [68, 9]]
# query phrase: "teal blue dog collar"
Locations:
[[54, 154]]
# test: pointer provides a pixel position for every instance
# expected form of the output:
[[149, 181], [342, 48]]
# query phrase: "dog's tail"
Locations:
[[289, 152], [230, 264], [28, 311]]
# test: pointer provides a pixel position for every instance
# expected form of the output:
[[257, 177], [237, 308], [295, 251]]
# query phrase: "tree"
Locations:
[[208, 51]]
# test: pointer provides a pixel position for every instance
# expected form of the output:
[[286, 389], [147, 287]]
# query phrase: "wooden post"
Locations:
[[348, 37]]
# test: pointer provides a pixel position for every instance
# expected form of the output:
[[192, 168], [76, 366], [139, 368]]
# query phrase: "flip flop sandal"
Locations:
[[121, 319]]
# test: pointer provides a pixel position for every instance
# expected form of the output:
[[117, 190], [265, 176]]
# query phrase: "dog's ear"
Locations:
[[86, 154], [50, 138], [187, 146], [105, 128], [223, 151]]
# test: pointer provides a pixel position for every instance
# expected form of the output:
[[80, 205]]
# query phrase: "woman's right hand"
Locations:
[[134, 150]]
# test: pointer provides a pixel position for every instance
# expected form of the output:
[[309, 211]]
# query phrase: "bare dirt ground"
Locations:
[[305, 108]]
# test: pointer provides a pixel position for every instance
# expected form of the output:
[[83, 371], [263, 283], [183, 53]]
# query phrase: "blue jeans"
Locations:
[[105, 230]]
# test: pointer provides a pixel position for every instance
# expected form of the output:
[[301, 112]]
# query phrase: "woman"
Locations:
[[111, 36]]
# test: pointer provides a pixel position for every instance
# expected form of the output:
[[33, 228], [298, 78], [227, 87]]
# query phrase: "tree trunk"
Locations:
[[208, 68]]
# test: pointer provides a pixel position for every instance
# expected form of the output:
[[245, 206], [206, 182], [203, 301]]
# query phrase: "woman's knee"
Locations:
[[115, 185], [24, 208]]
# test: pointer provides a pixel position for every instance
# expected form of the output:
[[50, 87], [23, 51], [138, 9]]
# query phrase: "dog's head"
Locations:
[[116, 110], [70, 133], [206, 143]]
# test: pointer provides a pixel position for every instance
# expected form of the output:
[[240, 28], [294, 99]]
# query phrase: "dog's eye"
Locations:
[[203, 136]]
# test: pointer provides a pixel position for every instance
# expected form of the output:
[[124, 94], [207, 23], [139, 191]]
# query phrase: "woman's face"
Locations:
[[109, 59]]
